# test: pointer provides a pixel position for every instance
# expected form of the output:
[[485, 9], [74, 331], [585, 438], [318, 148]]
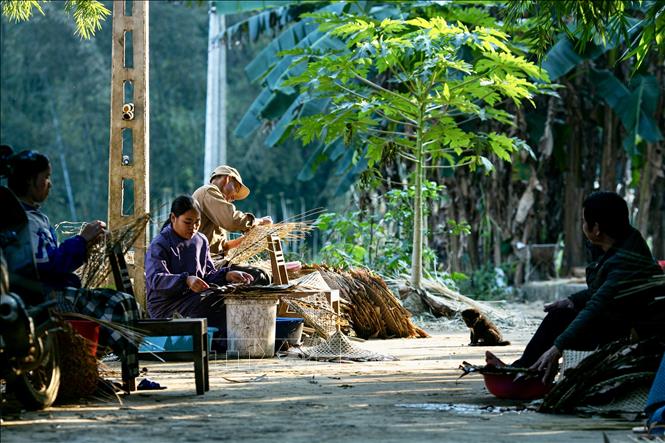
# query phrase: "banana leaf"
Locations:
[[238, 6], [302, 105], [635, 108], [288, 39], [251, 121]]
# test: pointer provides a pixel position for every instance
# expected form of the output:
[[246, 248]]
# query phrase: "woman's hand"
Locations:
[[239, 277], [264, 221], [93, 230], [548, 362], [196, 284], [564, 303]]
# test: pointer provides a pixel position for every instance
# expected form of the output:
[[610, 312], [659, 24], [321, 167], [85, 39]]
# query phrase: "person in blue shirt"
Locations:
[[179, 269], [29, 178]]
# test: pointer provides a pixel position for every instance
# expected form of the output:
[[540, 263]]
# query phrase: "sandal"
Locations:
[[149, 385], [656, 423]]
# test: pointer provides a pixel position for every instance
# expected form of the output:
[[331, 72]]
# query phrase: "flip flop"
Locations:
[[149, 385], [656, 423]]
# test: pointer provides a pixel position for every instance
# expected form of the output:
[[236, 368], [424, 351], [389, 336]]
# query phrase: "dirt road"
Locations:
[[417, 398]]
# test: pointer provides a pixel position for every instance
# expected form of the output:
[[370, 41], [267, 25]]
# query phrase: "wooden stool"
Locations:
[[197, 328]]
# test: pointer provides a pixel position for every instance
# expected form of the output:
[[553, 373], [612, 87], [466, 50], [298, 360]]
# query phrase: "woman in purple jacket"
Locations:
[[178, 269]]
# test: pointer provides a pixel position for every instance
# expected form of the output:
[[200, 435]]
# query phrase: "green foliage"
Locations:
[[88, 14], [641, 24], [487, 283], [635, 107], [432, 85], [381, 242], [408, 85]]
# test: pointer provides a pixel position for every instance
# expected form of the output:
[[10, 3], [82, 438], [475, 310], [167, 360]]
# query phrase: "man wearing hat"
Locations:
[[218, 213]]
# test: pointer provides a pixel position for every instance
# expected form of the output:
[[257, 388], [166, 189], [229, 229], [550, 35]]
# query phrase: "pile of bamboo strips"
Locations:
[[255, 241], [372, 309]]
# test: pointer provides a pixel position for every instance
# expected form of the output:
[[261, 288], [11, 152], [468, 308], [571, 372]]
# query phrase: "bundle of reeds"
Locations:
[[255, 241], [373, 310], [96, 270]]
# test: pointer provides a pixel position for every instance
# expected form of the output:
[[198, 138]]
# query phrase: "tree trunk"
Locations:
[[453, 244], [573, 254], [417, 254], [608, 162], [658, 217], [61, 151], [657, 226], [652, 165]]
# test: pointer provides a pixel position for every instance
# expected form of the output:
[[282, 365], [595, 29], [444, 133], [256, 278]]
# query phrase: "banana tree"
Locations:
[[406, 88]]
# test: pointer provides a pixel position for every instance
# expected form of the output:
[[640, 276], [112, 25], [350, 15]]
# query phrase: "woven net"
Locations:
[[315, 309], [614, 378], [570, 360], [632, 401], [339, 347]]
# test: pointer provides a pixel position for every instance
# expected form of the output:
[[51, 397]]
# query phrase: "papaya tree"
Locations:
[[408, 88]]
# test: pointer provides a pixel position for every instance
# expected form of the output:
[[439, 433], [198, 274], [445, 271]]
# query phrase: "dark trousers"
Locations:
[[554, 323], [657, 393], [211, 305]]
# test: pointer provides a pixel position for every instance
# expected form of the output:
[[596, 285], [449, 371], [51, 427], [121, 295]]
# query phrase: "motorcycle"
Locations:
[[29, 352]]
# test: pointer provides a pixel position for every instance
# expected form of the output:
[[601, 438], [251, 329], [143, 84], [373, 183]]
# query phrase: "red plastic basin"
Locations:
[[505, 386], [89, 330]]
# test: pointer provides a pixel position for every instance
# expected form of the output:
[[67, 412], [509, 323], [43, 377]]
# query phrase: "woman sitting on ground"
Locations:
[[179, 268], [609, 308], [29, 177]]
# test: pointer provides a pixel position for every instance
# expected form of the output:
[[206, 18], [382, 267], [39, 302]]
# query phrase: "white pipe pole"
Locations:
[[215, 130]]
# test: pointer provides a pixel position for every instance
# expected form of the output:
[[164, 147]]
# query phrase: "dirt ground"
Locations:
[[416, 398]]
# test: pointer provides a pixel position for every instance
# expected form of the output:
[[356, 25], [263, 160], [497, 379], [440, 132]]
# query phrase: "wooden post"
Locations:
[[130, 138]]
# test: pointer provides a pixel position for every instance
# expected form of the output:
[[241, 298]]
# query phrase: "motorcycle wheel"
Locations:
[[38, 389]]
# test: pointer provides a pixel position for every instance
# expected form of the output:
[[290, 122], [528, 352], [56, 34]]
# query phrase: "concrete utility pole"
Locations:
[[130, 138], [215, 140]]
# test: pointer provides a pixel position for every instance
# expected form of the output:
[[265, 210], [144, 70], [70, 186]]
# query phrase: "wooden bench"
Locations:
[[196, 328]]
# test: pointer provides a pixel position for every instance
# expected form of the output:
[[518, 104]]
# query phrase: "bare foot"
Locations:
[[493, 360]]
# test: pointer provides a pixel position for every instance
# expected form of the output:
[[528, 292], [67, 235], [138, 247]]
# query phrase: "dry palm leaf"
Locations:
[[96, 270], [373, 310], [255, 241]]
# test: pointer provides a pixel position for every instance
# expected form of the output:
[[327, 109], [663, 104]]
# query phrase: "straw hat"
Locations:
[[233, 172]]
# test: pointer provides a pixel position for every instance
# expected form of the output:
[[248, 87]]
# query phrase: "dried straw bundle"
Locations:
[[97, 268], [255, 240], [373, 309], [78, 368]]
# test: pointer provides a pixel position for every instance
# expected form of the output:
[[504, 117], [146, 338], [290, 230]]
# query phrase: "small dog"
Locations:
[[483, 331]]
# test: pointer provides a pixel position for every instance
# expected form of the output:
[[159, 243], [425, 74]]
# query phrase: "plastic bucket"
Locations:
[[89, 330], [505, 386], [250, 326]]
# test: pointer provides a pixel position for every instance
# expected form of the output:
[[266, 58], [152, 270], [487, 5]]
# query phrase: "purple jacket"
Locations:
[[169, 261]]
